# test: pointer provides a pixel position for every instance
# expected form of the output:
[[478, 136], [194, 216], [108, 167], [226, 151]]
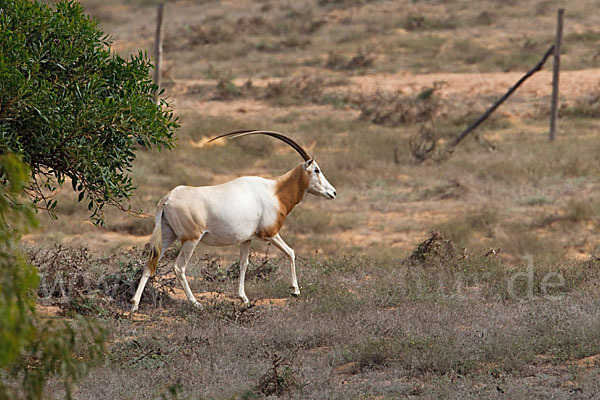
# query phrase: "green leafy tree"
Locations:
[[71, 108]]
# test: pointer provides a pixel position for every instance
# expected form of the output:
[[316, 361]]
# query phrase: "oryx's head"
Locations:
[[318, 184]]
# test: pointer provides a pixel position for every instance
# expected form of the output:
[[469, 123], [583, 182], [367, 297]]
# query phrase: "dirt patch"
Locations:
[[48, 312], [272, 302], [589, 362], [350, 368]]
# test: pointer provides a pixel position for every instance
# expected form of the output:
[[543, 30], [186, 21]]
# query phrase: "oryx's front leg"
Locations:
[[288, 251], [187, 249], [244, 253]]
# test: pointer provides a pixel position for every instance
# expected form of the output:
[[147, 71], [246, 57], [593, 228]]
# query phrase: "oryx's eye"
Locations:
[[317, 171]]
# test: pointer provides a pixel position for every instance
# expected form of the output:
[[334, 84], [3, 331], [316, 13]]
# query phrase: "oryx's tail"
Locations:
[[156, 239]]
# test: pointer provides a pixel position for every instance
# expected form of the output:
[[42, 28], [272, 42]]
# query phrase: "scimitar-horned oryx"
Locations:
[[235, 212]]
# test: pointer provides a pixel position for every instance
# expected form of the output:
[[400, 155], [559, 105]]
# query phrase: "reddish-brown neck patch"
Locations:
[[290, 188]]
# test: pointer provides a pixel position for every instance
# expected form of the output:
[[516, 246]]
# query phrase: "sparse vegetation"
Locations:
[[443, 311]]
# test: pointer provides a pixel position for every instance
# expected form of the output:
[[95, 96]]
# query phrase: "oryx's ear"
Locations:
[[308, 163]]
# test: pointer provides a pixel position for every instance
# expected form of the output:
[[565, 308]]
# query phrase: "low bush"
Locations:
[[397, 108], [587, 106], [419, 22], [339, 62], [295, 90], [226, 88]]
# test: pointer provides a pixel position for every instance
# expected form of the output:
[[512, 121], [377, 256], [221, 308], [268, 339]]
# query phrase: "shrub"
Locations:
[[394, 109], [80, 282], [471, 52], [580, 210], [295, 90], [435, 250], [279, 379], [338, 62], [191, 36], [418, 22], [226, 89], [304, 220], [587, 106], [289, 42], [209, 34], [484, 18]]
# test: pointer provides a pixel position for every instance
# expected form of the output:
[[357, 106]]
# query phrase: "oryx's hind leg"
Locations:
[[244, 252], [187, 249], [167, 239], [289, 252]]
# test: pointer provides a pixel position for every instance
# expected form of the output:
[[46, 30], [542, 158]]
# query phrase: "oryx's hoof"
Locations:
[[295, 292], [197, 305], [244, 299]]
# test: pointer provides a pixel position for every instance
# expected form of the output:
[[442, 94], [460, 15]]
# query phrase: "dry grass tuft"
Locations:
[[280, 379], [435, 250]]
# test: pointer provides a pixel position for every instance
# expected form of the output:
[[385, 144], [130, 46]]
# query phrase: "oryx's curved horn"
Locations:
[[277, 135]]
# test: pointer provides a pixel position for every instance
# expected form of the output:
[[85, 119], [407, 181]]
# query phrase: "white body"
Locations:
[[235, 212], [225, 214]]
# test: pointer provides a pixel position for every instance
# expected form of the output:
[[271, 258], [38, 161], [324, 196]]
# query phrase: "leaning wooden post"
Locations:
[[452, 145], [158, 49], [556, 74]]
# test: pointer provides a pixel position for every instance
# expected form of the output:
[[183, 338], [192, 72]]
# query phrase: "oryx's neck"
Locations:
[[290, 188]]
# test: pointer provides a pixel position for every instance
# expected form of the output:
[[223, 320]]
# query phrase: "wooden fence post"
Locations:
[[556, 74], [451, 145], [158, 49]]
